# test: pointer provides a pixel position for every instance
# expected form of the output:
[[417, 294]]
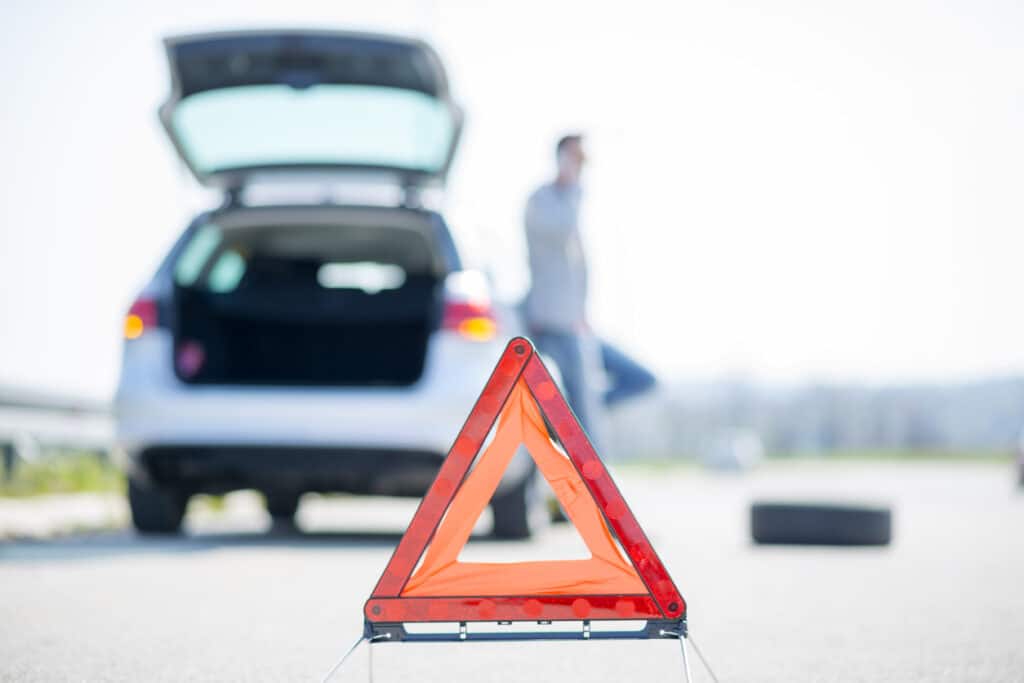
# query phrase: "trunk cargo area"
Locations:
[[278, 318]]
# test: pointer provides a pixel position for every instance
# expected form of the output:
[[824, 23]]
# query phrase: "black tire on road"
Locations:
[[820, 524], [281, 505], [520, 512], [556, 512], [156, 509]]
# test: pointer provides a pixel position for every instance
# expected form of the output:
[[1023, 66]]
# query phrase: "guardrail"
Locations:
[[33, 423]]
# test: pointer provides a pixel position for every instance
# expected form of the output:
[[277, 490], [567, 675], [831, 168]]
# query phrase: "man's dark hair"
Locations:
[[567, 140]]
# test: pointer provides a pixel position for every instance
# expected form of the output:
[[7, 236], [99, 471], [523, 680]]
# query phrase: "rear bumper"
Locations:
[[305, 420], [154, 408], [387, 441], [218, 469]]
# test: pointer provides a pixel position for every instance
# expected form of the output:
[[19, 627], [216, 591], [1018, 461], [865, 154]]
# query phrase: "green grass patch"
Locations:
[[210, 502], [62, 473]]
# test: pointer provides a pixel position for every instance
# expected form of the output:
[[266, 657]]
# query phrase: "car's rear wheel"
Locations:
[[282, 505], [156, 509], [520, 512]]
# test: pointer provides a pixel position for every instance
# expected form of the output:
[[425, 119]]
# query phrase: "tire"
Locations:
[[156, 509], [819, 524], [282, 506], [519, 513], [556, 513]]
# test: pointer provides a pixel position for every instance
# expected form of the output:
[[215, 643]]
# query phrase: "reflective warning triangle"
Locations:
[[425, 582]]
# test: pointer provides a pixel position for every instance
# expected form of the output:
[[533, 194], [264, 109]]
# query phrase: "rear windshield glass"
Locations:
[[371, 259], [271, 125]]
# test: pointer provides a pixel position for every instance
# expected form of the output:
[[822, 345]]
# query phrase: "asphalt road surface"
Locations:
[[236, 601]]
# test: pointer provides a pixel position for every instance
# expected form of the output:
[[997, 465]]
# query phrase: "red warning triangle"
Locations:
[[425, 582]]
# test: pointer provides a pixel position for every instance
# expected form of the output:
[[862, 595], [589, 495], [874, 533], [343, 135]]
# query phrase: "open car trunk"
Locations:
[[246, 104], [342, 301]]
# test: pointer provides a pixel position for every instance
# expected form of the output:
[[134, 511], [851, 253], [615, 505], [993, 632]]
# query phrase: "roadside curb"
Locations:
[[51, 516]]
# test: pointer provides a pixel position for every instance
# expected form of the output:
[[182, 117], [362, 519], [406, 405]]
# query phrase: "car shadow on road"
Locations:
[[121, 543]]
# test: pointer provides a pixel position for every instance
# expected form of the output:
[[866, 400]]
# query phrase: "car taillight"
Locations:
[[471, 320], [467, 307], [141, 317]]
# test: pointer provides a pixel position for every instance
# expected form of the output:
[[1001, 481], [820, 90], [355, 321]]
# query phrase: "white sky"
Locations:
[[817, 190]]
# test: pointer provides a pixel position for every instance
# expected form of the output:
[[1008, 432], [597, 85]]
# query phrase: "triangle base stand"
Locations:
[[380, 632], [374, 634]]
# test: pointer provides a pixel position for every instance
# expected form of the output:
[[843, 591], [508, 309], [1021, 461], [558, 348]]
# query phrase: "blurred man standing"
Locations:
[[555, 307]]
